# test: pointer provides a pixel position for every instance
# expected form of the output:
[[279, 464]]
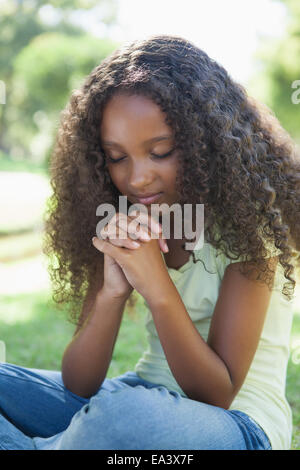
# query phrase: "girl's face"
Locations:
[[140, 149]]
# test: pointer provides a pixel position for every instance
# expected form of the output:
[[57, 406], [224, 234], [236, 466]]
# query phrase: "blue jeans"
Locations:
[[38, 413]]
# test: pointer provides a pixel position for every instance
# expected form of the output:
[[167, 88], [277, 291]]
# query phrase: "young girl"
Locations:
[[160, 118]]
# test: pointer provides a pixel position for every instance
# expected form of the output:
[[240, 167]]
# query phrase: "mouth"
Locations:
[[149, 199]]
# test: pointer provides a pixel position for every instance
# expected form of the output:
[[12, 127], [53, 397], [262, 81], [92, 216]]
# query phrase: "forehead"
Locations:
[[125, 113]]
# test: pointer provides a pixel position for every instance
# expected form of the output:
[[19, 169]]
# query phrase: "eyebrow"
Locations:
[[153, 139]]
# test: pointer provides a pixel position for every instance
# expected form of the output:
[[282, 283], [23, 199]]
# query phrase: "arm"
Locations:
[[87, 357], [212, 371]]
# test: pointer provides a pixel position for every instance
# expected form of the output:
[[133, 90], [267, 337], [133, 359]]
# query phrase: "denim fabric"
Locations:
[[38, 413]]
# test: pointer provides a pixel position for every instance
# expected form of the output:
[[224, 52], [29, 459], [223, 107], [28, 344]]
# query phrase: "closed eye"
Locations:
[[165, 155]]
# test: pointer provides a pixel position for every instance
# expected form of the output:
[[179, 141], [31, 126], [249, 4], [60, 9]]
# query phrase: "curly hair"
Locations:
[[235, 158]]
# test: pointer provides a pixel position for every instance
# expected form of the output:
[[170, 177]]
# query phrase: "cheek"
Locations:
[[115, 179], [115, 175], [170, 174]]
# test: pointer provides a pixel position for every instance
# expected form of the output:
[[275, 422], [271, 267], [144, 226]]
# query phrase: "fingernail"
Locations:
[[145, 236], [135, 244]]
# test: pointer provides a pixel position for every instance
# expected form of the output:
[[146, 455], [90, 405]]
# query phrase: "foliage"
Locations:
[[45, 72], [49, 68], [279, 69], [20, 23]]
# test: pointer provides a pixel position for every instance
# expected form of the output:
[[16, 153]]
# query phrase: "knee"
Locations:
[[129, 401], [106, 422], [123, 413]]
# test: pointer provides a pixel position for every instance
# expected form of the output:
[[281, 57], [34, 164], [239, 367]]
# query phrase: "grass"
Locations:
[[23, 197], [8, 164], [293, 383], [36, 334], [20, 246]]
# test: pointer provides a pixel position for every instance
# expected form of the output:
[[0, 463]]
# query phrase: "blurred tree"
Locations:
[[20, 22], [279, 69], [51, 65], [45, 73]]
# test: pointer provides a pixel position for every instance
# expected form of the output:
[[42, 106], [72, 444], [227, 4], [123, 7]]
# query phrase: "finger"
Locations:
[[154, 225], [112, 228], [122, 220], [105, 247], [99, 244], [137, 231], [113, 222], [119, 237], [163, 245]]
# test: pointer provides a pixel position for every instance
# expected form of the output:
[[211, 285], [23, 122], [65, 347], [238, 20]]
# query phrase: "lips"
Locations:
[[148, 199]]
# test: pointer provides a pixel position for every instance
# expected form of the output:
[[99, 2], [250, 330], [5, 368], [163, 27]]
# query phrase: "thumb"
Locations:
[[163, 245]]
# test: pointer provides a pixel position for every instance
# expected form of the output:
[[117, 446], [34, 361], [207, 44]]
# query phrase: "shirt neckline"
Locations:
[[177, 273]]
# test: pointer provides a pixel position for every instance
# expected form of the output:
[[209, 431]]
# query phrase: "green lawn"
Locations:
[[36, 334], [23, 165]]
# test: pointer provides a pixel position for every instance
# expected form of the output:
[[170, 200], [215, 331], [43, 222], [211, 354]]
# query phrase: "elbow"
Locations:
[[222, 398], [220, 402], [225, 399], [225, 404], [77, 389], [77, 386]]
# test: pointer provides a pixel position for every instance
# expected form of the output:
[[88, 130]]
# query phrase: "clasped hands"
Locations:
[[133, 264]]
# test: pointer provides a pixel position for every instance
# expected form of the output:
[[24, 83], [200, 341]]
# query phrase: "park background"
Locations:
[[46, 50]]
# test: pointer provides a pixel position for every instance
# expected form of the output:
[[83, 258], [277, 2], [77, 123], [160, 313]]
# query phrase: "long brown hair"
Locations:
[[235, 158]]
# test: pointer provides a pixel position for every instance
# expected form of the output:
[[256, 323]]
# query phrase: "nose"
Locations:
[[141, 176]]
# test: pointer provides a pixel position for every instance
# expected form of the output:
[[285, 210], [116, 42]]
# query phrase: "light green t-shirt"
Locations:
[[262, 395]]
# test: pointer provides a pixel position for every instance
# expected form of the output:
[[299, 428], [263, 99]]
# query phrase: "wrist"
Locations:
[[161, 292], [117, 296]]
